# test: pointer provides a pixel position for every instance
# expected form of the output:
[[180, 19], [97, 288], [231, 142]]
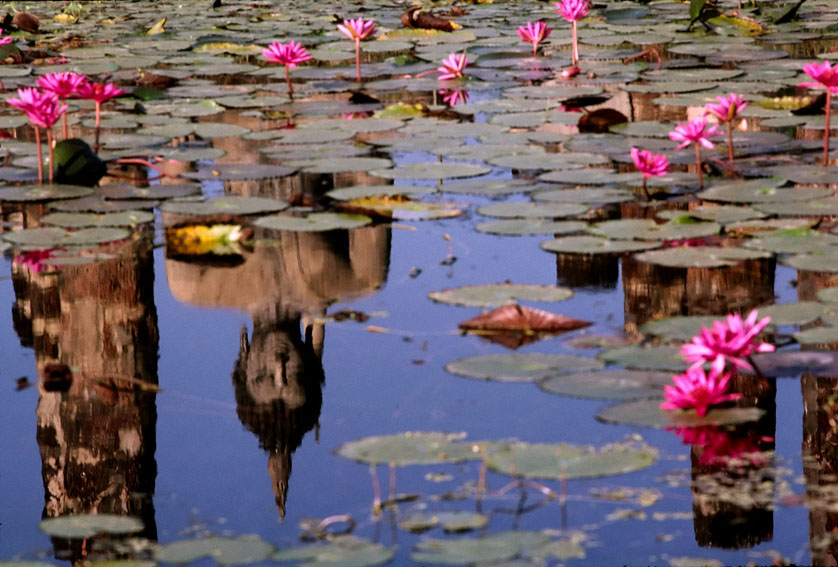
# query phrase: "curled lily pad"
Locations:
[[645, 358], [89, 525], [432, 170], [43, 192], [315, 222], [514, 318], [225, 550], [529, 367], [608, 384], [340, 551], [78, 220], [54, 237], [234, 205], [563, 461], [648, 413], [498, 294], [411, 448], [699, 256], [518, 227], [595, 245]]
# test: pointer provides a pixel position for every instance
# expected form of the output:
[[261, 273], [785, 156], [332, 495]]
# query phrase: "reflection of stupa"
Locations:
[[285, 285], [96, 433]]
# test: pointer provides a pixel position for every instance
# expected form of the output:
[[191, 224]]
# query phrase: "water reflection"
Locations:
[[94, 331]]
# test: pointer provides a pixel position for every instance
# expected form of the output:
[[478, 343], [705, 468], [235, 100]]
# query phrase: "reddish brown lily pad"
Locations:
[[514, 318]]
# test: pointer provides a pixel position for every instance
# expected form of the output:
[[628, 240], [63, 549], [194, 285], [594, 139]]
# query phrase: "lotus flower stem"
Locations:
[[288, 81], [729, 143], [358, 58], [64, 131], [392, 495], [40, 155], [98, 122], [826, 128], [376, 491], [481, 480], [51, 151], [574, 39], [645, 191], [698, 165]]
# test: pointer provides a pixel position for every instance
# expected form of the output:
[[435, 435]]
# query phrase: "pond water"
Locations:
[[183, 398]]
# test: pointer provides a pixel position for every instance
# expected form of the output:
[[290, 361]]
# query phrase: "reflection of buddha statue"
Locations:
[[285, 285], [96, 433], [278, 379]]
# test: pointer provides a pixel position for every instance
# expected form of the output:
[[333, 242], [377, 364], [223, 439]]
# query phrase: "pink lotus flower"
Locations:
[[357, 30], [697, 132], [30, 99], [732, 340], [649, 165], [454, 97], [42, 109], [64, 85], [289, 54], [696, 390], [825, 75], [727, 109], [99, 92], [33, 260], [47, 112], [534, 34], [573, 10], [452, 67], [6, 40]]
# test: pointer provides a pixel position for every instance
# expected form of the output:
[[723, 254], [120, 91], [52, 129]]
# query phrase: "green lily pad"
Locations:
[[722, 214], [595, 245], [488, 186], [340, 551], [54, 237], [234, 172], [126, 191], [411, 448], [462, 521], [817, 335], [529, 367], [795, 241], [563, 461], [79, 220], [679, 328], [807, 174], [519, 227], [766, 190], [592, 196], [43, 192], [234, 205], [464, 551], [589, 176], [89, 525], [797, 313], [699, 256], [608, 384], [647, 229], [498, 294], [817, 207], [315, 222], [827, 295], [665, 358], [364, 191], [532, 210], [814, 262], [341, 165], [224, 550], [432, 170], [648, 413], [549, 161]]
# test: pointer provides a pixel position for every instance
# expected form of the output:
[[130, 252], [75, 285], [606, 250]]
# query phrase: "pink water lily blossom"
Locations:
[[452, 67], [357, 30], [64, 85], [6, 40], [698, 133], [725, 111], [649, 165], [572, 11], [99, 93], [697, 390], [534, 33], [454, 97], [289, 54], [826, 76], [732, 340], [43, 109]]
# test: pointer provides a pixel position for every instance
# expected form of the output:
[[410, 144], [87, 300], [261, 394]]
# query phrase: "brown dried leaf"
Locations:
[[516, 318], [415, 18]]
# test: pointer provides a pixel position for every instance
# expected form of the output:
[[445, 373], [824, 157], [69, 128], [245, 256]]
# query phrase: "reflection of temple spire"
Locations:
[[278, 379]]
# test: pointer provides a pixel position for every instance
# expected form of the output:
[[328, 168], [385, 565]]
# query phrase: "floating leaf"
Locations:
[[234, 205], [498, 294], [411, 448], [518, 227], [648, 413], [699, 256], [340, 551], [43, 192], [362, 191], [513, 318], [400, 208], [224, 550], [595, 245], [79, 220], [432, 170], [608, 384], [647, 229], [463, 551], [54, 237], [529, 367], [797, 313], [817, 335], [679, 328], [563, 461], [795, 363], [645, 358], [240, 172], [532, 210], [88, 525], [314, 222]]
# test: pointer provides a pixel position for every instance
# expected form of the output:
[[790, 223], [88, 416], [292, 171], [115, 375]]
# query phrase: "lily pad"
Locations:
[[795, 241], [489, 186], [362, 191], [79, 220], [234, 205], [797, 313], [464, 551], [432, 170], [608, 384], [794, 363], [54, 237], [340, 551], [647, 229], [154, 192], [240, 172], [532, 210], [648, 413], [563, 461], [766, 190], [243, 550], [519, 227], [699, 256], [411, 448], [43, 192], [814, 262], [816, 207], [679, 328], [595, 245], [817, 335], [315, 222], [592, 196], [498, 294], [341, 165], [529, 367], [89, 525], [645, 358]]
